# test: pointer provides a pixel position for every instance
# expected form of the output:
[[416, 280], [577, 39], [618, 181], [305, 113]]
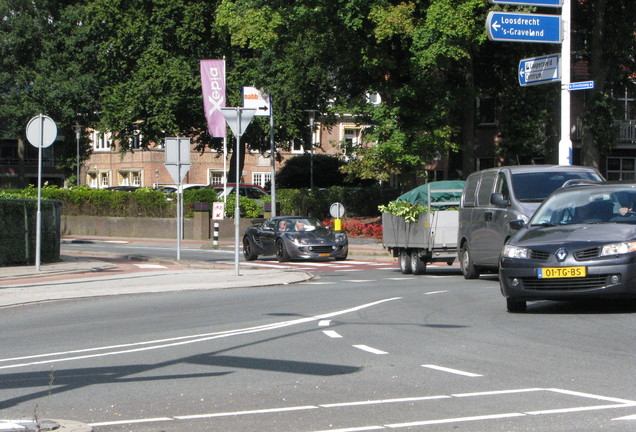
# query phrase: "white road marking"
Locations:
[[629, 417], [622, 404], [172, 342], [324, 323], [358, 280], [453, 371], [150, 266], [370, 349], [435, 292], [454, 420], [332, 334], [319, 283], [399, 278]]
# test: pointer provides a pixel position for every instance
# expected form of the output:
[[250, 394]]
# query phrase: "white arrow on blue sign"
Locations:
[[540, 70], [519, 27], [546, 3]]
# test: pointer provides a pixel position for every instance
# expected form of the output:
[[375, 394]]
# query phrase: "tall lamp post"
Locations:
[[312, 117], [78, 130]]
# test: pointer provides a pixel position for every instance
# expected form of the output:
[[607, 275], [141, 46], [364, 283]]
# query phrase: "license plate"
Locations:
[[324, 254], [561, 272]]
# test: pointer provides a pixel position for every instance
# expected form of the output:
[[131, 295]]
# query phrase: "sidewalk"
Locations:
[[71, 278]]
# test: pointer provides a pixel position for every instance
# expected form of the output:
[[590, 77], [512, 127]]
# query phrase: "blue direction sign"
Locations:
[[519, 27], [581, 85], [539, 70], [547, 3]]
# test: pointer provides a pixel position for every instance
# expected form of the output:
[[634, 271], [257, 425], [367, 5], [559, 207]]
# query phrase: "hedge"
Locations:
[[146, 202]]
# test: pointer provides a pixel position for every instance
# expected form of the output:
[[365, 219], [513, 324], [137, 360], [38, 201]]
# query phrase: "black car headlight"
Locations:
[[340, 237], [515, 252], [618, 248]]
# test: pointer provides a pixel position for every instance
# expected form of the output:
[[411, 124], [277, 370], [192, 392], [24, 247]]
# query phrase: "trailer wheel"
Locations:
[[418, 266], [405, 262]]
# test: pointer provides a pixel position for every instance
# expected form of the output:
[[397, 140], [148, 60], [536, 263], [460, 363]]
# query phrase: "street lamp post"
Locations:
[[312, 116], [78, 130]]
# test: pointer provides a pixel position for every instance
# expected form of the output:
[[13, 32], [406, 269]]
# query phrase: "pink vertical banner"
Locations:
[[213, 88]]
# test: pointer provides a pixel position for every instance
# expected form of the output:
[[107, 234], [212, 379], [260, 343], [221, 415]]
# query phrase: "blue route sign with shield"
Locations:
[[546, 3], [520, 27], [539, 70]]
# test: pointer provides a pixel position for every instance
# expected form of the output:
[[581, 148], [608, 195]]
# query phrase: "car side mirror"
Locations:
[[517, 224], [498, 199], [267, 228]]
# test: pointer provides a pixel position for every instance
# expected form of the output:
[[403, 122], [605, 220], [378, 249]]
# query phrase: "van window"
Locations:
[[502, 186], [486, 188], [536, 186], [470, 190]]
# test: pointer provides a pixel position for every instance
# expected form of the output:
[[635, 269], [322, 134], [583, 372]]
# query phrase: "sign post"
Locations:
[[263, 104], [41, 132], [177, 162], [237, 119]]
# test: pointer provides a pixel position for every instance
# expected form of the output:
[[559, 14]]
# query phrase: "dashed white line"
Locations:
[[453, 371], [324, 323], [370, 349], [332, 334], [435, 292]]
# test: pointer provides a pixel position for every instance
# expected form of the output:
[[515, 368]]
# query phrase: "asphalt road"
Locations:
[[349, 351]]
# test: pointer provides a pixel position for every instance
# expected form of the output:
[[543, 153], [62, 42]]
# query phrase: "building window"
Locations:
[[136, 140], [129, 177], [101, 141], [619, 168], [215, 176], [485, 163], [104, 179], [297, 147], [263, 179], [92, 180], [486, 111]]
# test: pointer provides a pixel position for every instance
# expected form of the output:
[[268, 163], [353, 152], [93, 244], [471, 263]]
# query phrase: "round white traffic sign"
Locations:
[[41, 131], [336, 210]]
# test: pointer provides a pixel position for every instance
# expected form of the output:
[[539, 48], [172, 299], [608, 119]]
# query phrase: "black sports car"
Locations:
[[293, 237], [581, 242]]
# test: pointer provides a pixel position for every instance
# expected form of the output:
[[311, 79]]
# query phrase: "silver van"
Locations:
[[493, 197]]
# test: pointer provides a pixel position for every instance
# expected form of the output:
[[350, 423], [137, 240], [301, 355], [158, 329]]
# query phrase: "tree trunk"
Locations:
[[590, 152], [468, 123]]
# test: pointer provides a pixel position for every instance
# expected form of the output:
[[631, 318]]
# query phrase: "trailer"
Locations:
[[433, 237]]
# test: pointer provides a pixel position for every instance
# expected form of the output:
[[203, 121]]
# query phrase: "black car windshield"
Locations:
[[536, 186], [586, 205]]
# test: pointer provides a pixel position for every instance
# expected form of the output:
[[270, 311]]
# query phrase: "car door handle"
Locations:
[[488, 216]]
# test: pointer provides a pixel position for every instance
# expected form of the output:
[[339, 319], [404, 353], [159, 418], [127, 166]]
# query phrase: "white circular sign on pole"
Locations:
[[336, 210], [41, 131]]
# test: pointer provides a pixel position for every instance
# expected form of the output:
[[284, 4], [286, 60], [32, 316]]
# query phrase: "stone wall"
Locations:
[[198, 228]]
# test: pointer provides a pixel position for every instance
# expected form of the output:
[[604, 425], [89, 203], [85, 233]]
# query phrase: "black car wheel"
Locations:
[[281, 251], [248, 251], [466, 263], [515, 305], [405, 262], [418, 266]]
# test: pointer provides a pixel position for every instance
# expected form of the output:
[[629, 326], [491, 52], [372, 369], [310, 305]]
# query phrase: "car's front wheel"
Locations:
[[281, 251], [248, 250], [466, 263]]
